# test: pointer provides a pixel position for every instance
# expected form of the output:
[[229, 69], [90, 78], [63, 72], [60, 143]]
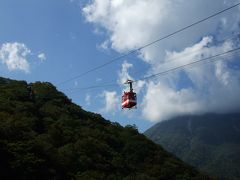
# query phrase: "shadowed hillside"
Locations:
[[210, 142], [43, 135]]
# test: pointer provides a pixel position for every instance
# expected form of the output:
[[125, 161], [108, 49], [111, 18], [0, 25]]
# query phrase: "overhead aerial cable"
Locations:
[[148, 44], [232, 51], [112, 83], [195, 51], [189, 64]]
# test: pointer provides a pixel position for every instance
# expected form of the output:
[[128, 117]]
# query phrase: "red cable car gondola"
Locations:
[[129, 99]]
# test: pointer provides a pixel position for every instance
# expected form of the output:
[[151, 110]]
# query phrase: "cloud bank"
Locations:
[[213, 87]]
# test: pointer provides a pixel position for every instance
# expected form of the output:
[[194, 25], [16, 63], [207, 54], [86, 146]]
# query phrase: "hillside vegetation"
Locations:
[[209, 142], [43, 135]]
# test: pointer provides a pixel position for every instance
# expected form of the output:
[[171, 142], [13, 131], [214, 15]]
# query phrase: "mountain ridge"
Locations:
[[210, 142], [43, 135]]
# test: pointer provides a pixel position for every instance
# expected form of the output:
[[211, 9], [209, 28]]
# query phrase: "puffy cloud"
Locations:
[[130, 24], [214, 87], [126, 21], [111, 101], [42, 56], [103, 46], [162, 102], [14, 56], [124, 75]]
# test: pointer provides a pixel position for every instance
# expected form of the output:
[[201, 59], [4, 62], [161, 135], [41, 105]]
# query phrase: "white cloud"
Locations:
[[42, 56], [104, 46], [215, 87], [162, 102], [122, 18], [131, 24], [111, 101], [124, 75], [14, 56], [88, 99]]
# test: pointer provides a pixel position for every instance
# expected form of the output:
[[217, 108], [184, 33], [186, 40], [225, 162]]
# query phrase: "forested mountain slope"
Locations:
[[210, 142], [43, 135]]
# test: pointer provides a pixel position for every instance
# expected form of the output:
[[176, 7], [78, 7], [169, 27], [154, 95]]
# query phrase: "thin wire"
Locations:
[[189, 64], [169, 70], [149, 44], [110, 83], [94, 87], [188, 54], [98, 85]]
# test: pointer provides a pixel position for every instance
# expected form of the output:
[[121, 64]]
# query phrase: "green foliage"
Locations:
[[209, 142], [43, 135]]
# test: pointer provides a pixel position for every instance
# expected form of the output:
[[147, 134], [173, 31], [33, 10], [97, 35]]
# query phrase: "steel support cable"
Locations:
[[112, 83], [189, 54], [148, 44], [232, 51], [189, 64]]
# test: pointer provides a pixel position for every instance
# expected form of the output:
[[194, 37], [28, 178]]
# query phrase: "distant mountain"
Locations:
[[43, 135], [209, 142]]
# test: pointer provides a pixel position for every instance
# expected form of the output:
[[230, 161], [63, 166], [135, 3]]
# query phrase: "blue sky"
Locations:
[[59, 39]]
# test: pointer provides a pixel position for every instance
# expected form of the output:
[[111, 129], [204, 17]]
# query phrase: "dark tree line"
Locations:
[[43, 135]]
